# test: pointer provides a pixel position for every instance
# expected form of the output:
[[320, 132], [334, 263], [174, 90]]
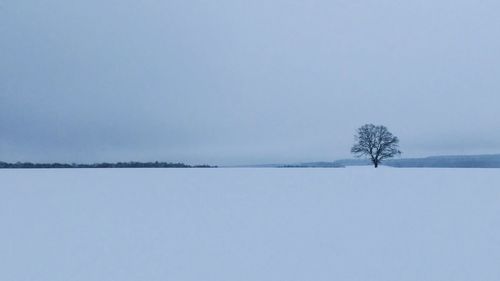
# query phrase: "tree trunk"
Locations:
[[376, 164]]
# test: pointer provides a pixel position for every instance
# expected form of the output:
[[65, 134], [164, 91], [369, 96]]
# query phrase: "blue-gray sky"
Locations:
[[232, 82]]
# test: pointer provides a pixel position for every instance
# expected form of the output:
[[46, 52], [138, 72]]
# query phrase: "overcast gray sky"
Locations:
[[257, 81]]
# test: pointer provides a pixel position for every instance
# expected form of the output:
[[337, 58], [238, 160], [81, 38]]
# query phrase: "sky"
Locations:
[[233, 82]]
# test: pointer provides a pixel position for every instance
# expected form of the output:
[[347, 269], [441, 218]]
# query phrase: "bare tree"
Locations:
[[375, 142]]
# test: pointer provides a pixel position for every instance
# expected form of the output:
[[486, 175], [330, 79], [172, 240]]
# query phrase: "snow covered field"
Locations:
[[250, 224]]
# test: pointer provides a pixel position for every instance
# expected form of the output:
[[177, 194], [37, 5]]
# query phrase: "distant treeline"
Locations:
[[28, 165]]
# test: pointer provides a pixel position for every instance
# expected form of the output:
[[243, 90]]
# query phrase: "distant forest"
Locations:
[[28, 165]]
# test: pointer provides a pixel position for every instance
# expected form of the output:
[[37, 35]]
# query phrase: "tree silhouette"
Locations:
[[375, 142]]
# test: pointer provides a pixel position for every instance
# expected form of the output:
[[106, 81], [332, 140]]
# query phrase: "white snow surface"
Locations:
[[250, 224]]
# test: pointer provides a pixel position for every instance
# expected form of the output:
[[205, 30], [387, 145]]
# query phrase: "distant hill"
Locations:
[[314, 165], [450, 161], [296, 165], [352, 162], [453, 161]]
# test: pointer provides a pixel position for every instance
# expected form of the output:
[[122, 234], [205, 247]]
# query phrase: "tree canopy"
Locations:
[[375, 142]]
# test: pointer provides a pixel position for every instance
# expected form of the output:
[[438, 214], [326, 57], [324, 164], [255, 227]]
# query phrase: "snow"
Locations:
[[250, 224]]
